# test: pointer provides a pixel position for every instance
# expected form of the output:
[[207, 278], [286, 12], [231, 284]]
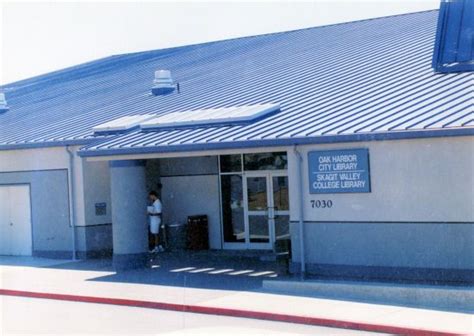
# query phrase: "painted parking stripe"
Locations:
[[232, 313]]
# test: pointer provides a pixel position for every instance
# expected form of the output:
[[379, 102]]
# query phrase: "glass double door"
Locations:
[[266, 208]]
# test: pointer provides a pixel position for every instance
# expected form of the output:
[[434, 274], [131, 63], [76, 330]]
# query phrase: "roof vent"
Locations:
[[3, 103], [454, 44], [163, 83]]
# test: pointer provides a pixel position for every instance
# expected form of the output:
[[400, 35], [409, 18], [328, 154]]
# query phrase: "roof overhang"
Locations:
[[270, 143], [46, 144]]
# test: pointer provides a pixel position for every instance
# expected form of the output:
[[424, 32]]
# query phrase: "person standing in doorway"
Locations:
[[154, 211]]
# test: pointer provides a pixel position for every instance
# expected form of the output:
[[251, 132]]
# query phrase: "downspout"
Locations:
[[299, 162], [72, 212]]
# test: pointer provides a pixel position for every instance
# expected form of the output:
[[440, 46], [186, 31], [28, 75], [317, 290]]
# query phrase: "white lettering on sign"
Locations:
[[352, 184], [326, 185], [339, 171]]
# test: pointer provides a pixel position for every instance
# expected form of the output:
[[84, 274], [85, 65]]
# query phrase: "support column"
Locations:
[[129, 220]]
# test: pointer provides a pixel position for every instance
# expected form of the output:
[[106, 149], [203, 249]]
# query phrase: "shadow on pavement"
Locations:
[[200, 269], [225, 271], [215, 270], [32, 261]]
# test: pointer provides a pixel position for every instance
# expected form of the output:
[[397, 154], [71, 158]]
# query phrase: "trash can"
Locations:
[[197, 233], [176, 236]]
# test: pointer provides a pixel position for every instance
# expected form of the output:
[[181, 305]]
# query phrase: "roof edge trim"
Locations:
[[284, 142], [46, 144]]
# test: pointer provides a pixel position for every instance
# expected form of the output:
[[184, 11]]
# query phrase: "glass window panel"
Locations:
[[265, 161], [257, 193], [282, 227], [258, 229], [232, 208], [231, 163], [280, 192]]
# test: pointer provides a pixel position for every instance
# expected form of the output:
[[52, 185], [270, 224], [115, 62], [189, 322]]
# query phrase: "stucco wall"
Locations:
[[95, 231], [427, 180], [41, 167], [190, 187], [96, 190], [419, 245], [185, 196], [33, 159], [49, 205], [419, 213]]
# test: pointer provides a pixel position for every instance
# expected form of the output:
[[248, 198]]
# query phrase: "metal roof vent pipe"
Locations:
[[3, 103], [163, 83]]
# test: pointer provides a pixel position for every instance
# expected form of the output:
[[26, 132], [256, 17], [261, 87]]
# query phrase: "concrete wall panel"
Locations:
[[417, 245], [96, 190], [422, 180], [184, 196], [49, 205], [419, 213]]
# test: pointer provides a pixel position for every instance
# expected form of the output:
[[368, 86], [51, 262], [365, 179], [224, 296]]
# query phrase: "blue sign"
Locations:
[[101, 209], [339, 171]]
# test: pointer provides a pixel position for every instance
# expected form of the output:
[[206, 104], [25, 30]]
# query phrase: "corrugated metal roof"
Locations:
[[361, 80]]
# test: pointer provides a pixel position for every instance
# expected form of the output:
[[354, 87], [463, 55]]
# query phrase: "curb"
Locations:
[[231, 313], [439, 297]]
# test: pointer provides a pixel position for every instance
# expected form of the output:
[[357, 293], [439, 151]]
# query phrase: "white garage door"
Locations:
[[15, 220]]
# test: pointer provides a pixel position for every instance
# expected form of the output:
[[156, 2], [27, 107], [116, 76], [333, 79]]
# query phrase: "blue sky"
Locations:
[[39, 37]]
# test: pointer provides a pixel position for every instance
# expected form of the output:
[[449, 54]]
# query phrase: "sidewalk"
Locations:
[[214, 290]]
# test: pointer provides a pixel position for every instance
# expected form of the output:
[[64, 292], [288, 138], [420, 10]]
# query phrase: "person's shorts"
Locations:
[[155, 226]]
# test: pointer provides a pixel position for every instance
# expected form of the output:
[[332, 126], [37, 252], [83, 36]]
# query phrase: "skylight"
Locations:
[[204, 117], [225, 115], [122, 124]]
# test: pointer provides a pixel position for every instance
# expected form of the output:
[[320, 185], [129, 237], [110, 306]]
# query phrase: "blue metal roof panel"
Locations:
[[355, 79]]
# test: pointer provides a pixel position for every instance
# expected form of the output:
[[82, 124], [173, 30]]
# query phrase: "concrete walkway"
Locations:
[[215, 287]]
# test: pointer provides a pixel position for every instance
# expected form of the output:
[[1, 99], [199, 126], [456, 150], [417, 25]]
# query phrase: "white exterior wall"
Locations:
[[190, 187], [92, 179], [38, 159], [185, 196], [33, 159], [422, 180], [92, 185], [419, 213], [96, 190]]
